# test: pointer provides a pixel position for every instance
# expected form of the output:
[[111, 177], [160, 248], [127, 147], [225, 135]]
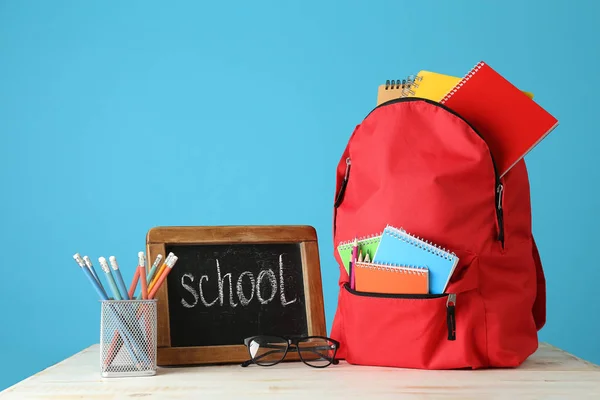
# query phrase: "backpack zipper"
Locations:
[[499, 186], [450, 304], [394, 295], [451, 316], [500, 212], [340, 195]]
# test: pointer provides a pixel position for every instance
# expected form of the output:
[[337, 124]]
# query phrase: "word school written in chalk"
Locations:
[[265, 281]]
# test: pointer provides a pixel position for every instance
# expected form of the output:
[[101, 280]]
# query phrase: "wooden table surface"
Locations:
[[549, 373]]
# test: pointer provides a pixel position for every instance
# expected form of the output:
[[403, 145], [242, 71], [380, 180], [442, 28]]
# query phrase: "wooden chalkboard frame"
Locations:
[[159, 237]]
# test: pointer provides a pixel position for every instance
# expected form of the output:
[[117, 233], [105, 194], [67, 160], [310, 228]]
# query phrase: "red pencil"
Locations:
[[142, 274], [115, 346], [133, 285]]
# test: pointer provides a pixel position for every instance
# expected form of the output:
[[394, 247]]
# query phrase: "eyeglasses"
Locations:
[[315, 351]]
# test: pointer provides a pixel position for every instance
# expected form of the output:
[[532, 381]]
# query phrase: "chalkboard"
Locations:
[[230, 283], [243, 290]]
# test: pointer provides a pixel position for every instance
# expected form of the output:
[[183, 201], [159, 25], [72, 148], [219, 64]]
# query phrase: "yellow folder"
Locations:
[[427, 85]]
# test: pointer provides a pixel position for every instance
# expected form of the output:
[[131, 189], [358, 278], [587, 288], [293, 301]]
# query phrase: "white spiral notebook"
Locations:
[[399, 247]]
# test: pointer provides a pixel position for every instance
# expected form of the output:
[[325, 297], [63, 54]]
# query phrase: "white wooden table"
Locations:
[[549, 373]]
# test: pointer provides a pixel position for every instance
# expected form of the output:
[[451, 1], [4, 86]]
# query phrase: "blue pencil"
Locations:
[[110, 279], [122, 287], [91, 278], [88, 263], [126, 335]]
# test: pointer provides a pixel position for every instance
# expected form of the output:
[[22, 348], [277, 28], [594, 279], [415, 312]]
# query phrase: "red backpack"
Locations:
[[417, 165]]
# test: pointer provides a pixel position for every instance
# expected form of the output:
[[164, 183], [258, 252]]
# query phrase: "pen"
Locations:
[[115, 267], [109, 277]]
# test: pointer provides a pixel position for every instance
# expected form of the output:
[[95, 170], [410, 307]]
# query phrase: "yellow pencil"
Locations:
[[160, 271], [163, 277]]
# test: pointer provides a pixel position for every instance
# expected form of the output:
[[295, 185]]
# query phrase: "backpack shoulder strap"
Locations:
[[539, 306]]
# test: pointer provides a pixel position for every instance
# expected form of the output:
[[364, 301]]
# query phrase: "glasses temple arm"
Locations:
[[257, 358]]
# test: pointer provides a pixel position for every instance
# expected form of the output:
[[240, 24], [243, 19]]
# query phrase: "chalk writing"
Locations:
[[264, 286], [240, 290], [273, 281], [284, 302], [189, 289]]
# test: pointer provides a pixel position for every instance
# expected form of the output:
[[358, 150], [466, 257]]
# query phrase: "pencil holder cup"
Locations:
[[128, 338]]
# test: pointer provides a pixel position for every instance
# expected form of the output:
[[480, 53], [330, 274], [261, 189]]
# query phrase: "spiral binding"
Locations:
[[393, 84], [401, 234], [361, 240], [405, 269], [405, 84], [468, 76]]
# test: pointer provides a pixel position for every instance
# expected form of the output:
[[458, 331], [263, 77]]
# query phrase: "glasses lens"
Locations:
[[317, 352], [267, 350]]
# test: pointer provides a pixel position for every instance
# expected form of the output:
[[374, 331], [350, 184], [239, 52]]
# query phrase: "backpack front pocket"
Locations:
[[445, 331]]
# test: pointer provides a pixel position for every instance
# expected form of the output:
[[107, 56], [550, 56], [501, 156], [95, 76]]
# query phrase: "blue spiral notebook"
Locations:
[[399, 247]]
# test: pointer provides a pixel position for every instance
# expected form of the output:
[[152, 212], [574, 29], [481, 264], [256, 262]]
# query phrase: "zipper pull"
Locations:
[[451, 316], [499, 191], [340, 195], [500, 213], [348, 163]]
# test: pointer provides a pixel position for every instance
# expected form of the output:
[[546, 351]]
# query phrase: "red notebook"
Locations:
[[510, 122]]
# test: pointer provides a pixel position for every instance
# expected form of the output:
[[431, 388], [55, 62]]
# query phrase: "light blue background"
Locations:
[[119, 116]]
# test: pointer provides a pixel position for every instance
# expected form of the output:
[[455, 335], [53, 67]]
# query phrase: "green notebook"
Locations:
[[368, 245]]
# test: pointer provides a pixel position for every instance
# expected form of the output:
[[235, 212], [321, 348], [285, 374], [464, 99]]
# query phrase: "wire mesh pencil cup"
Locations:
[[128, 338]]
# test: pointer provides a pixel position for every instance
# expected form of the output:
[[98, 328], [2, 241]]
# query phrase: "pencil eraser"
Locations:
[[113, 262], [157, 261], [103, 264], [172, 261], [79, 260]]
